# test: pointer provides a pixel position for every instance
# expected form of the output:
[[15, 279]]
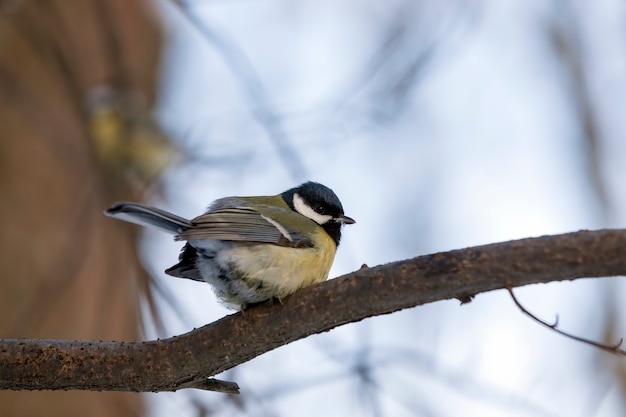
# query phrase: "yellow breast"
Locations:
[[283, 270]]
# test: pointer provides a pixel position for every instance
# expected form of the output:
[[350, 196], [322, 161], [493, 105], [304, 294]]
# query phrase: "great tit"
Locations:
[[253, 249]]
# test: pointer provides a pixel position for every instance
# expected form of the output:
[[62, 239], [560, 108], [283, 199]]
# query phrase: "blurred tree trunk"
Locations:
[[77, 81]]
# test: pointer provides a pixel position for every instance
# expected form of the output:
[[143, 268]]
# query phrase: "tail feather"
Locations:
[[148, 216]]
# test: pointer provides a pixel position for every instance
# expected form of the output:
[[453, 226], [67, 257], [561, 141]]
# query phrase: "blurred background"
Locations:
[[440, 125]]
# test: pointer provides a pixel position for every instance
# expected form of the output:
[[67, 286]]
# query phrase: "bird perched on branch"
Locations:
[[253, 249]]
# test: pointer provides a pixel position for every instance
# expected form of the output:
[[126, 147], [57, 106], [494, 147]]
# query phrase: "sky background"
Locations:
[[440, 125]]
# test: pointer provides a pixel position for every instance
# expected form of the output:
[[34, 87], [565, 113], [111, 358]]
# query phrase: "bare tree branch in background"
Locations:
[[253, 89], [187, 361], [563, 33]]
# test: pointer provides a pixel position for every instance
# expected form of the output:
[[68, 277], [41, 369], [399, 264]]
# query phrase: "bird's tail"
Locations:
[[148, 216]]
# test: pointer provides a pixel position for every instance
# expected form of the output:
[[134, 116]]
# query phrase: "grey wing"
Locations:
[[242, 224]]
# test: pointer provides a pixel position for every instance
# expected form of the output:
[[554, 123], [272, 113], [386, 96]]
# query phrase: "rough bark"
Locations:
[[188, 360]]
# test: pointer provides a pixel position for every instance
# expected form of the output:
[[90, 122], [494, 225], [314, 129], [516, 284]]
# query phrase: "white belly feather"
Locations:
[[263, 271]]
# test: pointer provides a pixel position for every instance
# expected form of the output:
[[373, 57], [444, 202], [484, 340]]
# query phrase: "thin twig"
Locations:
[[252, 86], [615, 349]]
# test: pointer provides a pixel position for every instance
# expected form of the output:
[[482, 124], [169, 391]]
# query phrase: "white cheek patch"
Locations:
[[306, 210]]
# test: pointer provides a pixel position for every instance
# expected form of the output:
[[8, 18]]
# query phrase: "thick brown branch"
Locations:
[[186, 361]]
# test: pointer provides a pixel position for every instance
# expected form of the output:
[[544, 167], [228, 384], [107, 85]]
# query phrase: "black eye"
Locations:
[[319, 209]]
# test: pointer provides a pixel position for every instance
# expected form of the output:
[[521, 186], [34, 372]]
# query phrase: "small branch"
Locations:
[[188, 360], [252, 87], [209, 384], [615, 349]]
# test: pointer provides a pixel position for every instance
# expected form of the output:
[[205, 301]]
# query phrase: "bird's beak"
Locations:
[[345, 220]]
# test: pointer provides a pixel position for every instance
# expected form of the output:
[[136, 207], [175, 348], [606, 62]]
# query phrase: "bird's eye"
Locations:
[[320, 209]]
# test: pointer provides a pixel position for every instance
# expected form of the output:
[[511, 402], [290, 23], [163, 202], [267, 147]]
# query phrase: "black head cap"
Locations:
[[320, 204]]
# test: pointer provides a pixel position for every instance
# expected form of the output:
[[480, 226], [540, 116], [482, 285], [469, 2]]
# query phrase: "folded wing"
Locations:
[[246, 224]]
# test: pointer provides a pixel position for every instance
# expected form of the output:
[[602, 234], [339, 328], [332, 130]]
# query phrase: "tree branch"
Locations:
[[613, 348], [188, 360]]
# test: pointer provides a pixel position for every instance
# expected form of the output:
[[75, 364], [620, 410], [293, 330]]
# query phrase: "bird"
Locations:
[[252, 249]]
